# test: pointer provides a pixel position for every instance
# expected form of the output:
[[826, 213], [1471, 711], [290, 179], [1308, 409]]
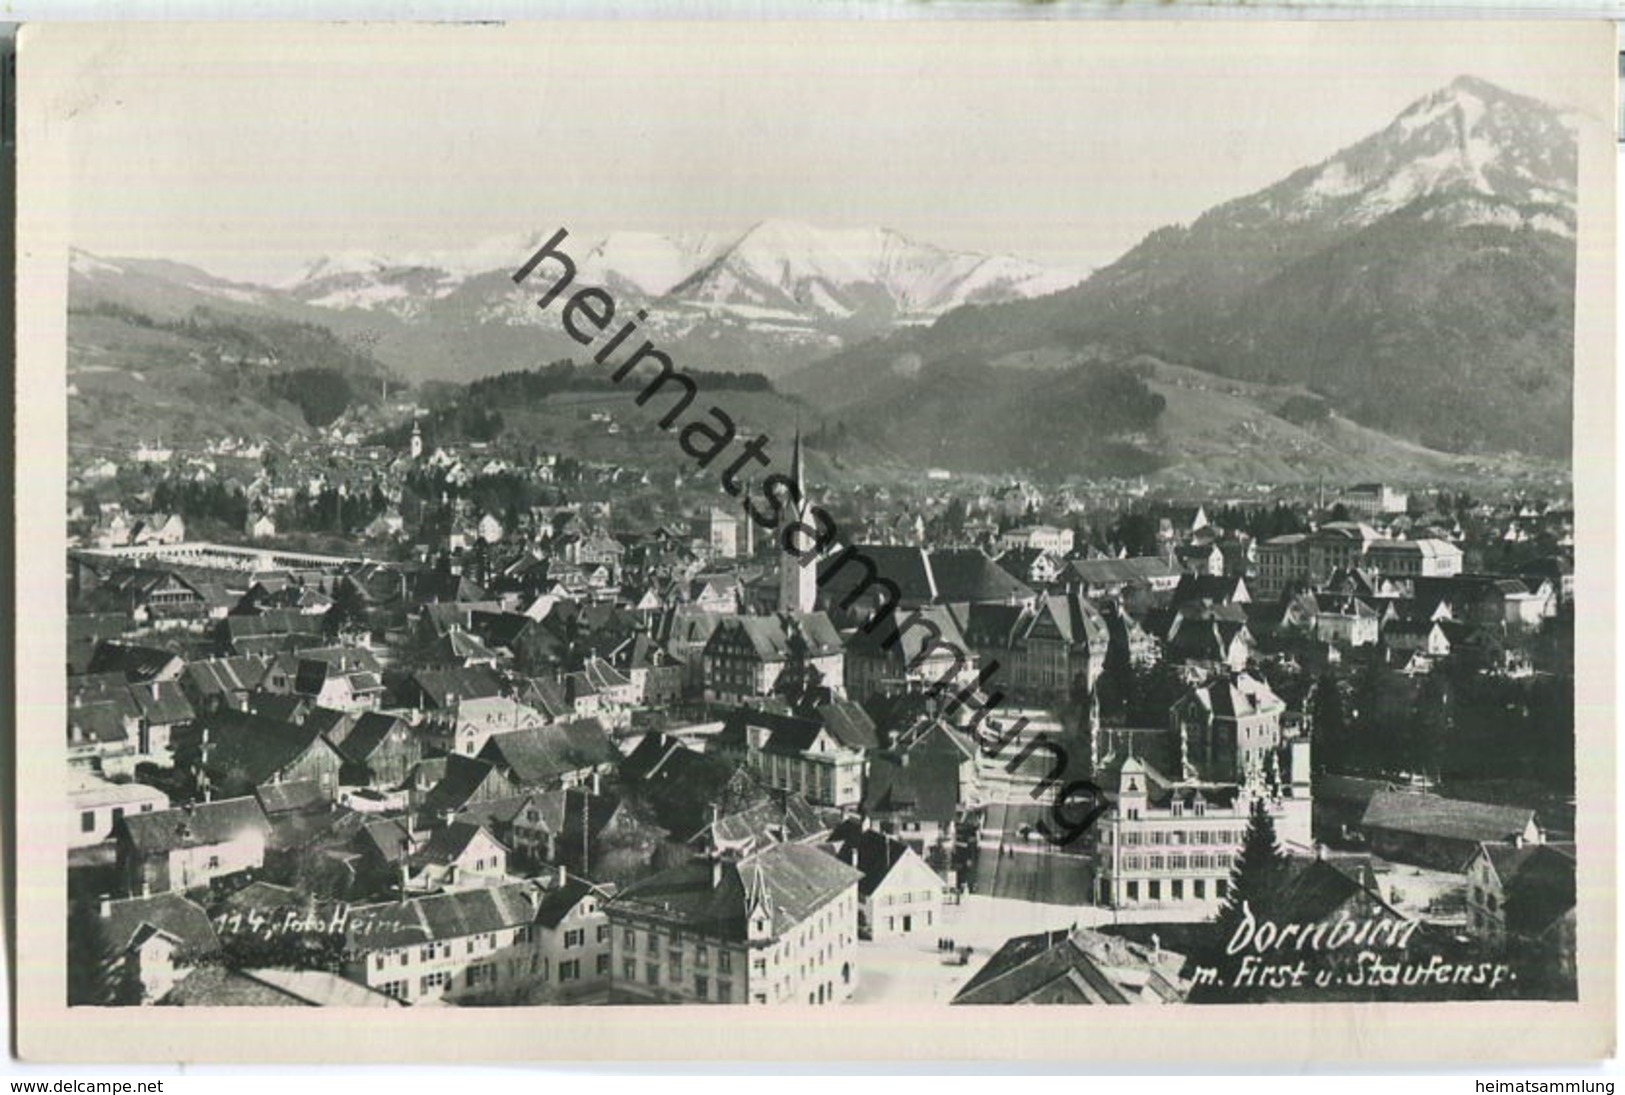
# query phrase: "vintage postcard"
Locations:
[[829, 530]]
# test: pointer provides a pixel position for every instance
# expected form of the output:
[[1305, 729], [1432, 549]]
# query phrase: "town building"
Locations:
[[1077, 966], [779, 926], [899, 895], [189, 846], [450, 945]]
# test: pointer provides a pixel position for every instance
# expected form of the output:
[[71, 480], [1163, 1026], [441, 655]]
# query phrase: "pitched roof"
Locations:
[[130, 922], [1134, 571], [464, 682], [439, 917], [252, 747], [370, 732], [137, 663], [542, 754], [557, 902], [195, 826], [872, 852], [1082, 965], [791, 881], [1454, 819], [464, 776], [449, 842], [224, 676]]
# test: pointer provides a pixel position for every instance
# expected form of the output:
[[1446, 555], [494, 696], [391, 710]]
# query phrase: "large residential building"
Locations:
[[1038, 538], [1426, 558], [1308, 559], [1180, 800], [1370, 500], [447, 945], [776, 927], [189, 846], [746, 654], [821, 758], [1054, 647]]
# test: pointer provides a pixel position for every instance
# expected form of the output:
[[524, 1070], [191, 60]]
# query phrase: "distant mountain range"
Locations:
[[1420, 282], [1409, 298], [769, 299]]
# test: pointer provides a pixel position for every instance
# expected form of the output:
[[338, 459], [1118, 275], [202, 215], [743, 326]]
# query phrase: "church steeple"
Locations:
[[798, 589]]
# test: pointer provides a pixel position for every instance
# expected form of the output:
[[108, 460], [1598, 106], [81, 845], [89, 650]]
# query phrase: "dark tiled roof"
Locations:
[[224, 676], [195, 826], [558, 902], [440, 917], [1107, 572], [1087, 967], [449, 842], [470, 683], [1316, 891], [463, 778], [1453, 819], [873, 853], [253, 748], [137, 663], [790, 880], [544, 753], [370, 732], [282, 798], [129, 922]]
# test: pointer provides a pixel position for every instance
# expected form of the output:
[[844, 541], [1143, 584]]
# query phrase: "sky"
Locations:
[[251, 151]]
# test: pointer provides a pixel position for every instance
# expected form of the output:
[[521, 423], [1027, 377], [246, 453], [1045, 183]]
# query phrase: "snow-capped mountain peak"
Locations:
[[1480, 153]]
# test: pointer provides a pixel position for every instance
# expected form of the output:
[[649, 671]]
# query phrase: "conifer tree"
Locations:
[[1257, 877]]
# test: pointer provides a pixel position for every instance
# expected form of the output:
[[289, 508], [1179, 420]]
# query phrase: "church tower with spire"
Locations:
[[798, 581]]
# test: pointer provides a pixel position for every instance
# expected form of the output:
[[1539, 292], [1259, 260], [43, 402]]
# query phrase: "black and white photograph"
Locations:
[[826, 517]]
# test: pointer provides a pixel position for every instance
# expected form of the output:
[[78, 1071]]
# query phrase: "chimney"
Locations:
[[152, 689], [596, 782], [106, 906], [563, 876], [716, 872]]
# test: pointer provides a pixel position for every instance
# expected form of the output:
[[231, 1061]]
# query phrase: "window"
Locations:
[[1199, 889], [758, 966], [214, 863], [725, 961], [118, 814], [725, 992], [433, 982], [702, 987], [629, 939], [602, 969], [651, 973], [87, 821], [575, 937], [653, 944], [1154, 890], [603, 933], [570, 971], [1179, 889], [1221, 888], [395, 989], [702, 955], [1133, 891], [629, 969]]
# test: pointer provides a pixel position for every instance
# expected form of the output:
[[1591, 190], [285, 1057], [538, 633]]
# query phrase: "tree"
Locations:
[[1255, 887], [1329, 723]]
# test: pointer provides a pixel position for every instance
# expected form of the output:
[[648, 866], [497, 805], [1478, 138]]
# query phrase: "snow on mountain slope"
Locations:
[[1486, 155]]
